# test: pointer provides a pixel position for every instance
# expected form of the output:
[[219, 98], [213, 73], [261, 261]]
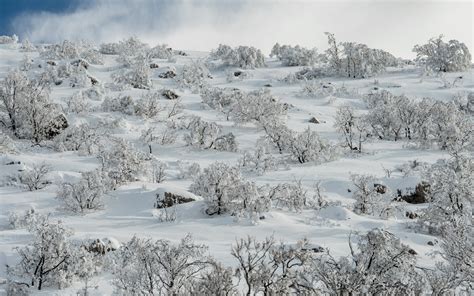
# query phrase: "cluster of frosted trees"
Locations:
[[379, 263], [428, 122]]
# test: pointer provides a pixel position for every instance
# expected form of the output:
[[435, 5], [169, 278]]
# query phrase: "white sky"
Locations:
[[393, 25]]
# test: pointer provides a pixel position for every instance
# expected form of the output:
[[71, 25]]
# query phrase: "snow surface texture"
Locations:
[[129, 209]]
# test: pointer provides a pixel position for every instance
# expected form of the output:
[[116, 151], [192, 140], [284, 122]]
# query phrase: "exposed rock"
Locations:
[[380, 188], [57, 125], [170, 200], [421, 194], [411, 215], [168, 74], [314, 120], [169, 94], [154, 66]]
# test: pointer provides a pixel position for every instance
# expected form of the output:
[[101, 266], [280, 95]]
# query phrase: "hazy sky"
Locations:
[[394, 25]]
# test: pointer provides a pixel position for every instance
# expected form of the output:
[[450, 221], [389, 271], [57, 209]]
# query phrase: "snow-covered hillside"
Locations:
[[129, 136]]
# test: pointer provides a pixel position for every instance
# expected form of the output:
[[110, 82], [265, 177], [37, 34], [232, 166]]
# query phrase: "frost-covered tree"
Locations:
[[84, 138], [148, 106], [138, 73], [35, 177], [268, 268], [260, 107], [193, 76], [451, 195], [226, 142], [147, 267], [259, 160], [455, 274], [158, 170], [221, 99], [202, 134], [161, 51], [278, 135], [218, 184], [291, 196], [440, 56], [122, 162], [45, 261], [242, 56], [368, 199], [353, 127], [356, 60], [121, 103], [334, 55], [86, 195], [207, 135], [295, 56], [27, 110], [307, 146], [217, 280], [381, 265]]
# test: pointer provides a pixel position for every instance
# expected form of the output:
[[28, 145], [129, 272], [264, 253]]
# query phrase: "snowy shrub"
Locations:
[[6, 144], [202, 134], [226, 142], [440, 56], [46, 261], [109, 48], [294, 56], [268, 268], [168, 135], [193, 76], [144, 266], [427, 121], [27, 110], [131, 46], [137, 73], [454, 274], [123, 104], [355, 60], [451, 195], [188, 170], [207, 135], [122, 162], [26, 63], [216, 280], [381, 265], [161, 51], [218, 185], [158, 171], [66, 50], [92, 56], [221, 99], [278, 135], [260, 107], [368, 199], [8, 40], [25, 219], [26, 46], [307, 146], [243, 56], [85, 139], [35, 177], [290, 196], [226, 192], [85, 195], [77, 103], [354, 128], [148, 105], [259, 160], [312, 88]]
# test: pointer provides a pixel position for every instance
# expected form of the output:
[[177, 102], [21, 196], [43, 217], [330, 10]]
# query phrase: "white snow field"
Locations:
[[129, 210]]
